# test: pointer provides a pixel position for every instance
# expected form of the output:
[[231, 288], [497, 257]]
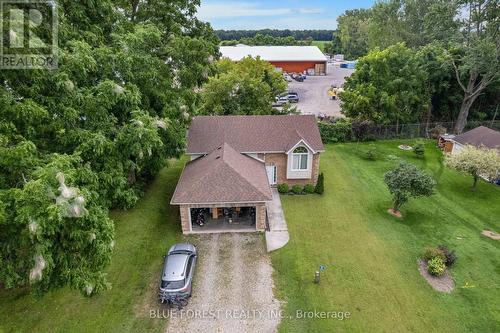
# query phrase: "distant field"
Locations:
[[320, 44]]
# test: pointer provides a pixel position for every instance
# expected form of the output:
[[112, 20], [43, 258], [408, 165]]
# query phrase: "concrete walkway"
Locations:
[[277, 236]]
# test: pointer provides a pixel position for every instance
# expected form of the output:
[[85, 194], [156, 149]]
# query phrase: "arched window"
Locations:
[[299, 159]]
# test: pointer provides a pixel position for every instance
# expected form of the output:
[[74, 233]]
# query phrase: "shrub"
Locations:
[[449, 256], [297, 189], [419, 149], [335, 132], [436, 266], [433, 252], [283, 188], [309, 189], [437, 131], [320, 185], [361, 130], [371, 153]]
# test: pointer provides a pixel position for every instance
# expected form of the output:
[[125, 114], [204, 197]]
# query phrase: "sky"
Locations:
[[276, 14]]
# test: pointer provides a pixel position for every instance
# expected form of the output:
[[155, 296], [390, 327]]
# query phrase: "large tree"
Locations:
[[440, 89], [246, 87], [387, 87], [86, 137], [353, 27], [414, 22], [475, 56]]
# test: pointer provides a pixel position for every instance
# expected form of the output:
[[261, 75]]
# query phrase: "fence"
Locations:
[[362, 131]]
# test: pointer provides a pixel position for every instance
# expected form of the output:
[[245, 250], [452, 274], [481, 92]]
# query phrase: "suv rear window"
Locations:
[[172, 284]]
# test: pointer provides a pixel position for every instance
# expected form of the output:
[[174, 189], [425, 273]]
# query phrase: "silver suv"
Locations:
[[178, 271]]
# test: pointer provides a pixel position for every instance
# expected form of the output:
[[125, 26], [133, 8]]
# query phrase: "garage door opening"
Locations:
[[223, 219]]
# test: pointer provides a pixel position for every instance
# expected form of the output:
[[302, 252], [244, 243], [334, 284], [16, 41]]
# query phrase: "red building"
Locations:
[[291, 59]]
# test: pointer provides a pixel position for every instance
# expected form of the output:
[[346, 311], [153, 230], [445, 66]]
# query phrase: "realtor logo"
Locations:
[[28, 34]]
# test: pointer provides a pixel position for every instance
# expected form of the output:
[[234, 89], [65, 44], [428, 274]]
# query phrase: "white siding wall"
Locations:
[[456, 147], [304, 174]]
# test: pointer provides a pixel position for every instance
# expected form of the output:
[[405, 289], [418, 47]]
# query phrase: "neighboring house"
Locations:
[[234, 162], [291, 59], [445, 142], [479, 136]]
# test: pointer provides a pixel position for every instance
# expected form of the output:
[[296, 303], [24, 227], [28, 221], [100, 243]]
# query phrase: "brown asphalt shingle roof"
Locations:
[[224, 175], [480, 136], [252, 134]]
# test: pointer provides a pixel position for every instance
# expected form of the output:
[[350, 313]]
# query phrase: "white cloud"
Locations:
[[229, 9], [237, 9], [304, 22], [310, 10], [284, 22]]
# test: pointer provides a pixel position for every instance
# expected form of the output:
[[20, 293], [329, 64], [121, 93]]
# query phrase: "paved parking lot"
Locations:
[[313, 92]]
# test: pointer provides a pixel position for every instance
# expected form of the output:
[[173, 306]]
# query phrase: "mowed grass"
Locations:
[[143, 235], [371, 257]]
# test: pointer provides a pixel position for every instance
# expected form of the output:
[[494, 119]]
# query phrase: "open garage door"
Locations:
[[223, 219]]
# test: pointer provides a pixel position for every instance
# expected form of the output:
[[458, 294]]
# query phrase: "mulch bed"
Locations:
[[443, 283], [394, 212]]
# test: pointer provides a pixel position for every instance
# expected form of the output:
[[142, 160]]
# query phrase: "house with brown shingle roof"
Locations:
[[234, 162], [479, 136]]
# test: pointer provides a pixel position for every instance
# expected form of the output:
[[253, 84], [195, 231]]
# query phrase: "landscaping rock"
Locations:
[[491, 234]]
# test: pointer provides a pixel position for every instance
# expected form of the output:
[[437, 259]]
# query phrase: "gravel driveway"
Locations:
[[313, 92], [233, 288]]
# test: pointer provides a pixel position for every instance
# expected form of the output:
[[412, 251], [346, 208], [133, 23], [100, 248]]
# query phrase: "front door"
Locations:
[[271, 174]]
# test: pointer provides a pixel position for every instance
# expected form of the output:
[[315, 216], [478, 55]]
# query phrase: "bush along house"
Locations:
[[235, 160]]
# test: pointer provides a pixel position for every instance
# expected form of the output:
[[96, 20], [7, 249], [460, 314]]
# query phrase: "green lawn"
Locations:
[[371, 257], [143, 235]]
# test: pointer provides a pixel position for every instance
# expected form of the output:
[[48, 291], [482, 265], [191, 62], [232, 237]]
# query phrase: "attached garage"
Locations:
[[228, 189], [292, 59]]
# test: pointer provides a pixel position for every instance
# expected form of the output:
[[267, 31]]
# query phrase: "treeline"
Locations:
[[297, 34], [421, 61], [260, 39]]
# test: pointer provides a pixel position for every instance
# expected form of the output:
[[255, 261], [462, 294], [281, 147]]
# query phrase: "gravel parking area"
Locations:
[[313, 92], [233, 280]]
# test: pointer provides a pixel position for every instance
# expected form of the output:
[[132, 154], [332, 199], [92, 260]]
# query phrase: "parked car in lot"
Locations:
[[280, 101], [293, 97], [287, 78], [298, 77], [177, 274]]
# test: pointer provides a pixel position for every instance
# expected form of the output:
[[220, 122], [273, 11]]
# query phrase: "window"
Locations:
[[299, 158], [190, 263], [172, 284]]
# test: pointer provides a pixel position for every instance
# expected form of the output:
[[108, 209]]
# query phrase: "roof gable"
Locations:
[[253, 134], [224, 175], [294, 143]]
